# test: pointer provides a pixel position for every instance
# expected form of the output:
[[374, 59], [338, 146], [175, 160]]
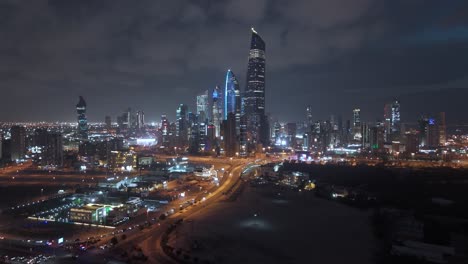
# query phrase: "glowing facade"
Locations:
[[82, 120], [217, 110], [254, 100]]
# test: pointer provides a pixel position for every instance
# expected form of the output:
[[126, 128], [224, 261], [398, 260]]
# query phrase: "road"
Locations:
[[149, 239]]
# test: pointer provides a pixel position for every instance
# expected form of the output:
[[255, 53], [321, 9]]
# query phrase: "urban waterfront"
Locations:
[[233, 132]]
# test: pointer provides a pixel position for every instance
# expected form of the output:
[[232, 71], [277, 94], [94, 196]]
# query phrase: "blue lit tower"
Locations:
[[217, 110], [232, 98], [255, 91], [82, 120], [230, 88]]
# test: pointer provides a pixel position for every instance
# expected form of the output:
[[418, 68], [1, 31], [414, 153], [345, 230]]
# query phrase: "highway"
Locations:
[[149, 239]]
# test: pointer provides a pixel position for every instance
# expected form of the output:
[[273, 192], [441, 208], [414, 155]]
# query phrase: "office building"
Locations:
[[356, 129], [140, 120], [442, 129], [203, 106], [309, 120], [257, 123], [229, 135], [82, 119], [18, 142], [217, 110], [182, 125], [108, 122], [165, 130]]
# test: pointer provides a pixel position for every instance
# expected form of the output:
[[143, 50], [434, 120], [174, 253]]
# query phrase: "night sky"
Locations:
[[152, 55]]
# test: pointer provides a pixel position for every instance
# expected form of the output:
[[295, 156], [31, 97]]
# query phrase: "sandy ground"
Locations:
[[290, 227]]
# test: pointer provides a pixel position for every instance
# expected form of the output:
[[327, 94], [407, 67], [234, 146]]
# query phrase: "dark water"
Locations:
[[13, 195]]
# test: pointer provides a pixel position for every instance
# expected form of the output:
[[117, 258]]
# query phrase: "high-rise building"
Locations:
[[229, 135], [82, 120], [230, 88], [217, 110], [182, 124], [140, 119], [442, 129], [357, 124], [432, 133], [203, 106], [108, 121], [232, 98], [52, 153], [194, 133], [18, 142], [309, 120], [255, 91], [165, 130], [412, 143], [396, 117], [388, 122]]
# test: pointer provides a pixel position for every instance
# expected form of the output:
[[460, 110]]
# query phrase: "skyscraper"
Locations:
[[140, 119], [182, 124], [108, 121], [18, 142], [82, 120], [229, 135], [442, 129], [396, 117], [309, 121], [357, 124], [217, 110], [165, 130], [202, 106], [255, 91], [230, 88]]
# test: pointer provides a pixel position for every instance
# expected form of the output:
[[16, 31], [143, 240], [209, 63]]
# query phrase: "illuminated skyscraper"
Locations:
[[203, 106], [140, 119], [395, 117], [232, 99], [230, 88], [165, 130], [309, 121], [82, 120], [182, 124], [357, 124], [217, 110], [257, 123]]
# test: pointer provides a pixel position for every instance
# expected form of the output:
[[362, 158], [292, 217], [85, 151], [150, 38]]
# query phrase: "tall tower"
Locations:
[[255, 91], [140, 119], [202, 106], [182, 124], [165, 130], [232, 99], [442, 129], [396, 117], [18, 142], [230, 88], [217, 110], [357, 135], [309, 121], [82, 120]]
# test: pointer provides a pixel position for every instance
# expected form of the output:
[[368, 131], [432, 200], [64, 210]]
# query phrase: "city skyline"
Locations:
[[349, 65]]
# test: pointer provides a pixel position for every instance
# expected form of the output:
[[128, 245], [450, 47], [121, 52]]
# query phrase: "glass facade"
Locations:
[[82, 120]]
